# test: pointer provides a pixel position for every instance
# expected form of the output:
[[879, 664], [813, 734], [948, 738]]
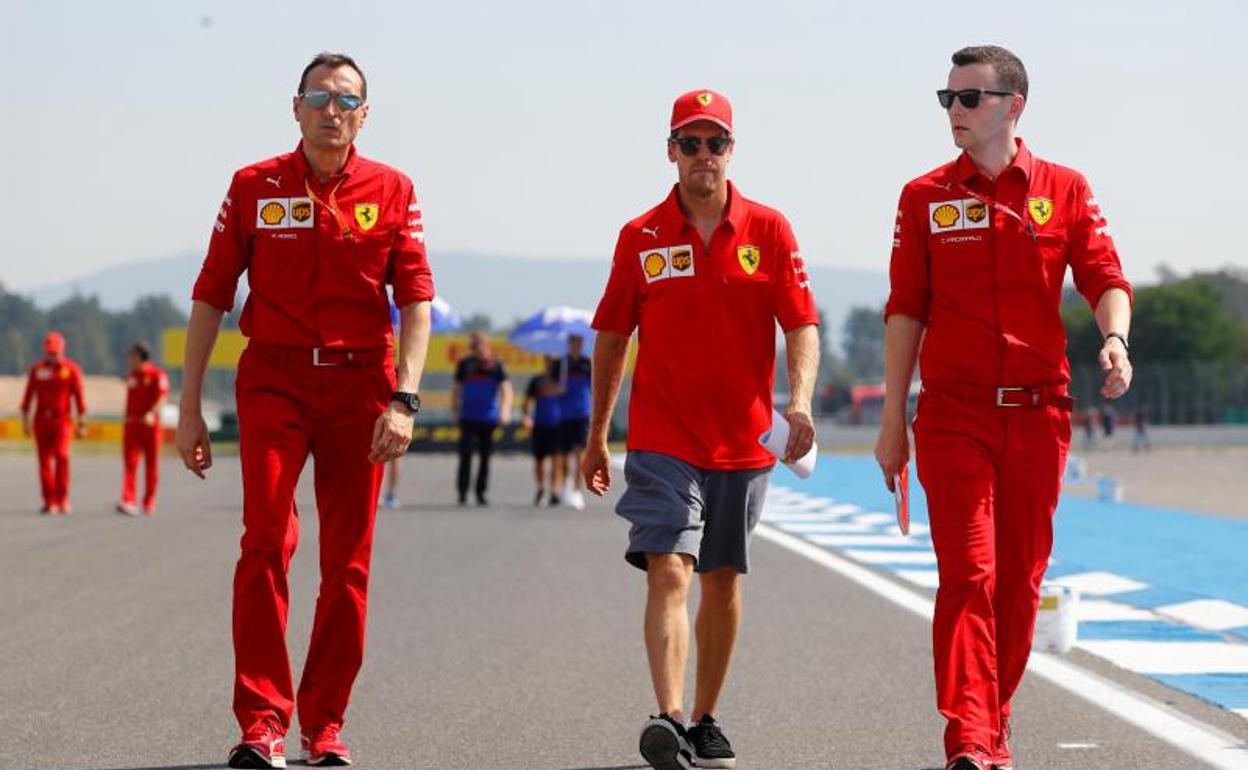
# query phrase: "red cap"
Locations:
[[703, 104], [54, 342]]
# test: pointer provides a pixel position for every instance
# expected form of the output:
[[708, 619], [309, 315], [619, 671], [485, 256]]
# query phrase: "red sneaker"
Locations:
[[262, 746], [324, 747]]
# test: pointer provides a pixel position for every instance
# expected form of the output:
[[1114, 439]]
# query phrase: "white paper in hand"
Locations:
[[776, 440]]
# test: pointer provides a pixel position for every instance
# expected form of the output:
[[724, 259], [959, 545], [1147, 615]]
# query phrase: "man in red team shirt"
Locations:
[[320, 232], [54, 380], [980, 253], [704, 277], [147, 387]]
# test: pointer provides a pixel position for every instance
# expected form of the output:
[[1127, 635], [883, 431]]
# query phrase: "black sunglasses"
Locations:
[[689, 145], [319, 100], [968, 96]]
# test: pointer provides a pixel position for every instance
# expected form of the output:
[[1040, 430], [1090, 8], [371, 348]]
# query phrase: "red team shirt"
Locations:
[[981, 263], [706, 323], [317, 279], [144, 388], [54, 384]]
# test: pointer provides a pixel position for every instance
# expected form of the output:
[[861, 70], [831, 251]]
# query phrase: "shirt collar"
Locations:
[[964, 168], [734, 213], [305, 170]]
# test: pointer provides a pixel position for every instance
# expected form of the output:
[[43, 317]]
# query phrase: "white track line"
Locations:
[[1205, 742]]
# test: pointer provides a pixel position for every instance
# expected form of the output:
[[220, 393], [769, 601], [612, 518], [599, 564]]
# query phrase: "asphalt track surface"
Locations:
[[499, 637]]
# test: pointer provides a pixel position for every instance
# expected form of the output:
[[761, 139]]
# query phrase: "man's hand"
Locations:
[[801, 434], [80, 429], [596, 467], [1114, 362], [149, 418], [192, 441], [26, 431], [527, 422], [892, 450], [391, 433]]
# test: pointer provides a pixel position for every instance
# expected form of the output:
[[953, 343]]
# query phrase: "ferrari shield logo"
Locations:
[[749, 257], [1041, 209], [705, 99], [366, 215]]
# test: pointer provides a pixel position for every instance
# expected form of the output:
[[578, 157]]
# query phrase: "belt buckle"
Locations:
[[316, 358], [1001, 397]]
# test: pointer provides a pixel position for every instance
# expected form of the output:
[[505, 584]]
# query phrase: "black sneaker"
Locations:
[[665, 745], [481, 499], [710, 745], [965, 762], [537, 499], [554, 500]]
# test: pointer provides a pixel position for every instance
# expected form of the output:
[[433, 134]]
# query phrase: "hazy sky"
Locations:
[[537, 128]]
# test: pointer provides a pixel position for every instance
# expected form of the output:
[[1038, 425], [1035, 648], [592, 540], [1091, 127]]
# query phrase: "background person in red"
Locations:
[[53, 381], [981, 249], [147, 387], [320, 232], [704, 276]]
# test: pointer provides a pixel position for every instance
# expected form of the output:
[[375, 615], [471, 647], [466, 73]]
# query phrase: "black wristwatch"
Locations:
[[1120, 338], [410, 400]]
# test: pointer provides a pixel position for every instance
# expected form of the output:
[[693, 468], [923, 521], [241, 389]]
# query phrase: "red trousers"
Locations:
[[140, 440], [992, 477], [52, 438], [288, 410]]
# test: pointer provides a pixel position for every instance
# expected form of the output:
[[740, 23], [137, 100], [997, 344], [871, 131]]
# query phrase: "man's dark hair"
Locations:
[[1009, 68], [334, 61], [141, 350]]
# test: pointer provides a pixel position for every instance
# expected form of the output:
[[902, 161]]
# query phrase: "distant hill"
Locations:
[[503, 288]]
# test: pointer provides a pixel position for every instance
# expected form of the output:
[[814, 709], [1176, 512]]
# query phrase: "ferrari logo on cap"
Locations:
[[749, 258], [1041, 209], [366, 215], [705, 98]]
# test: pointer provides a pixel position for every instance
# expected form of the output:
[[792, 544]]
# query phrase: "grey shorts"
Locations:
[[675, 507]]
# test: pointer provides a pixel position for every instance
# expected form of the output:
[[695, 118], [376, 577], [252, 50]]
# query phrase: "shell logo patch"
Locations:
[[366, 215], [1041, 209], [705, 98], [976, 211], [946, 215], [654, 265], [681, 258], [273, 213], [749, 257]]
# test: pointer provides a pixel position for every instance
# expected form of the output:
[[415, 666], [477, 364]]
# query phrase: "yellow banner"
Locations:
[[445, 350]]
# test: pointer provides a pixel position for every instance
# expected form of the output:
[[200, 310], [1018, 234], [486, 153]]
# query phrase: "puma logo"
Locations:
[[654, 231], [275, 181]]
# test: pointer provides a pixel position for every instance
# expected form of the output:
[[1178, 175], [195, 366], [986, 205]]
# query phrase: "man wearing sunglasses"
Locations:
[[980, 251], [703, 277], [320, 232]]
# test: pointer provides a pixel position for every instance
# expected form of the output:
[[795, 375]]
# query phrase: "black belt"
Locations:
[[1004, 397]]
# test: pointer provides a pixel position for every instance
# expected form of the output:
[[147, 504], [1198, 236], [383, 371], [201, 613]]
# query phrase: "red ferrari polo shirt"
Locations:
[[144, 388], [981, 263], [706, 321], [52, 385], [317, 255]]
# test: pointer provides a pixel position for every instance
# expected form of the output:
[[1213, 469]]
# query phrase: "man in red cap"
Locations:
[[981, 249], [320, 232], [703, 277], [147, 387], [53, 381]]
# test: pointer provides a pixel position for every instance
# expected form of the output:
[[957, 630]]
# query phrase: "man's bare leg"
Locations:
[[668, 578], [719, 618]]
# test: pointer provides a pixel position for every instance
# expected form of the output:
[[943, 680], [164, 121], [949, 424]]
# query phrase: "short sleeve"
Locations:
[[410, 274], [228, 252], [909, 293], [619, 310], [795, 302], [1094, 259]]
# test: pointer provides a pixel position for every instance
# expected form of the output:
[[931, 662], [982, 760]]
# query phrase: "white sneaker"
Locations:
[[577, 500]]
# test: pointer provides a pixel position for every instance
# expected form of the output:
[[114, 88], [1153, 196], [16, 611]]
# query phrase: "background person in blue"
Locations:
[[480, 401], [543, 396], [574, 375]]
